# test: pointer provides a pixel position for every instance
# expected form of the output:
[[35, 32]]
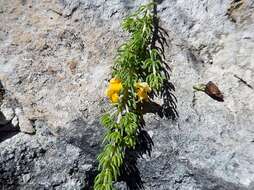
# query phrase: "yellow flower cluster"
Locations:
[[115, 87], [142, 91]]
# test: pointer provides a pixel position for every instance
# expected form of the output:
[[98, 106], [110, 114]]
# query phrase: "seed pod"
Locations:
[[213, 91]]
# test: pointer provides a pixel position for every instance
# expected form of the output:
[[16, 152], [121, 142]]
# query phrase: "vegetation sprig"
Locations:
[[138, 75]]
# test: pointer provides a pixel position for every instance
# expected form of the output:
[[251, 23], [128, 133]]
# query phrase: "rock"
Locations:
[[7, 115], [26, 124], [45, 161], [8, 112], [72, 65], [210, 145], [12, 117], [15, 121]]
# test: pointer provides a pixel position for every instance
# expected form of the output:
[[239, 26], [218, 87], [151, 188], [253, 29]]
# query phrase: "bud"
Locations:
[[213, 91]]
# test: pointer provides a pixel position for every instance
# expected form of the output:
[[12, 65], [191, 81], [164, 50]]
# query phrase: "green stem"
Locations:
[[199, 87]]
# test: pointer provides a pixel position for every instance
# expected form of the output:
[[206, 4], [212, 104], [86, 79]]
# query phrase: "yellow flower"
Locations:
[[114, 89], [142, 91]]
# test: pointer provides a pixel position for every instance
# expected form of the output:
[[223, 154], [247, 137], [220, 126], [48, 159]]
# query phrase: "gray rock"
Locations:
[[15, 121], [46, 161], [55, 60], [24, 123], [8, 112]]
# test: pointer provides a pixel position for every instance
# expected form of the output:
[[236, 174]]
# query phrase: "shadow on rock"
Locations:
[[129, 171]]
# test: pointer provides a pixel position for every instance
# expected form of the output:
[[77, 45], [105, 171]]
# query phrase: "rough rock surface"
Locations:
[[55, 59]]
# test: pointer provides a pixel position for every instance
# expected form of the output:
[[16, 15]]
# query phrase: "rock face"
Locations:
[[55, 60]]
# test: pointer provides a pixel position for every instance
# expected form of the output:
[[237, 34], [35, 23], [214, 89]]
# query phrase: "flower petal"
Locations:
[[114, 98], [114, 80], [142, 90], [116, 87]]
